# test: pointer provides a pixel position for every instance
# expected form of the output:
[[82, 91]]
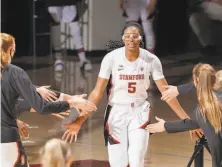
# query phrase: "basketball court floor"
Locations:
[[165, 150]]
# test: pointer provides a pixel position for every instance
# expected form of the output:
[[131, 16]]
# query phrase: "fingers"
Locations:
[[165, 96], [69, 136], [150, 129], [73, 138], [76, 135], [24, 132], [158, 119], [199, 133], [65, 135], [46, 86], [59, 116], [191, 135], [51, 95], [166, 86], [83, 96]]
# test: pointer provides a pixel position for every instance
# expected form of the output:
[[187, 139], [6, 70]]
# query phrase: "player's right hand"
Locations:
[[71, 133]]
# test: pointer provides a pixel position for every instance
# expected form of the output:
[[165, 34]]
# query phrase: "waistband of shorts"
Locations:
[[131, 104]]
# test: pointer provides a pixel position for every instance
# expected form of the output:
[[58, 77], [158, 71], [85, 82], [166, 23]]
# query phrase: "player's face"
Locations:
[[131, 38]]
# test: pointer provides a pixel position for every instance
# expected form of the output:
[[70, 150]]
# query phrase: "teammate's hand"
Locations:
[[170, 93], [82, 104], [64, 97], [62, 115], [23, 129], [156, 127], [71, 133], [196, 134], [46, 94]]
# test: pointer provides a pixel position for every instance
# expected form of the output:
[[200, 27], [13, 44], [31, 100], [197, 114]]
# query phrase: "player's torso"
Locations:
[[130, 80]]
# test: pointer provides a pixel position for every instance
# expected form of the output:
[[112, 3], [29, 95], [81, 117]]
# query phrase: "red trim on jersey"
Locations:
[[107, 128], [109, 91], [147, 122], [18, 158], [116, 141]]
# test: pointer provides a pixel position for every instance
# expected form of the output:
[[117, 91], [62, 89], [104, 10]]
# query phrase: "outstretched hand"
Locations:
[[82, 104], [71, 133], [48, 95], [170, 93], [156, 127]]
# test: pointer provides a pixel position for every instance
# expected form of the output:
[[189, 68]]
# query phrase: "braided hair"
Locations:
[[118, 44]]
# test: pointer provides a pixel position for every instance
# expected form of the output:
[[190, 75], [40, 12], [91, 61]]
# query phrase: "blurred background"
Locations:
[[186, 32]]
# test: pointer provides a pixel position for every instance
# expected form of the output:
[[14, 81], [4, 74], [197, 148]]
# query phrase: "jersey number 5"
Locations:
[[131, 87]]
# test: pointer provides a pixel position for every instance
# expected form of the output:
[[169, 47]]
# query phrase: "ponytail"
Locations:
[[209, 105]]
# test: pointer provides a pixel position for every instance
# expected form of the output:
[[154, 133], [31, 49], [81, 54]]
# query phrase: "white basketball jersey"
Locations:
[[130, 80]]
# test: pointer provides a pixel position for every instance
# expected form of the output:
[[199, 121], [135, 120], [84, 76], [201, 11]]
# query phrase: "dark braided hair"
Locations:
[[118, 44]]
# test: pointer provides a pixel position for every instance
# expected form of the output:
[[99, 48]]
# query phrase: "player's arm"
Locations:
[[174, 104], [94, 97], [161, 83], [173, 91], [159, 79], [173, 126]]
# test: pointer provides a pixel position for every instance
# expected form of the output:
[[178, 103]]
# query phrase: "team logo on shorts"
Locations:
[[141, 68]]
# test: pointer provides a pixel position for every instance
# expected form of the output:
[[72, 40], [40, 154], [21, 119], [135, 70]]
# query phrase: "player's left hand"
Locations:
[[48, 95], [71, 133], [156, 127], [23, 129], [62, 115]]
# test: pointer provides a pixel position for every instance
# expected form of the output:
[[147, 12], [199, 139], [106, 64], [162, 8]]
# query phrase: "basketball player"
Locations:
[[133, 10], [16, 83], [127, 112], [64, 11], [207, 116]]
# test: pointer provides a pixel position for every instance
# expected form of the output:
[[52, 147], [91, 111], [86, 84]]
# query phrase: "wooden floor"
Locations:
[[165, 150]]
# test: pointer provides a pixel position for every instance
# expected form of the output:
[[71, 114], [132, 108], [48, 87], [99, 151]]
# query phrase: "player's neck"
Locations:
[[132, 56]]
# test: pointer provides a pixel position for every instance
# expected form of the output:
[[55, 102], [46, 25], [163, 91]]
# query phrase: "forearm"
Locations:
[[181, 125], [175, 106], [185, 88], [94, 97]]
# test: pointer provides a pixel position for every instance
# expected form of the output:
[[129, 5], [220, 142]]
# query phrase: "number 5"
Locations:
[[131, 87]]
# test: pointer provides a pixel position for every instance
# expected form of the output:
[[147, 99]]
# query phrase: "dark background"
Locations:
[[173, 34]]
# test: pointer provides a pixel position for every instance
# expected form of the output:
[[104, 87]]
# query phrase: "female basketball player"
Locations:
[[207, 116], [15, 82], [127, 113]]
